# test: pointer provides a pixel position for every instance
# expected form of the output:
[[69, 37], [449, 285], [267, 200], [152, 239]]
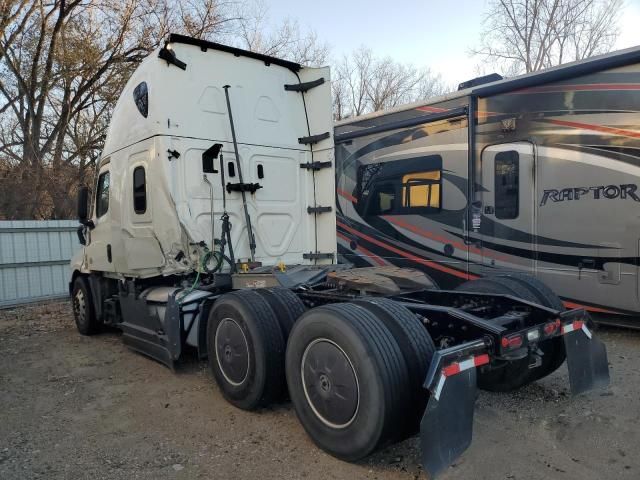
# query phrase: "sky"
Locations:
[[433, 33]]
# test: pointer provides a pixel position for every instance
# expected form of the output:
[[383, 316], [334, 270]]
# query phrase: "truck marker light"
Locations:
[[511, 342], [458, 367]]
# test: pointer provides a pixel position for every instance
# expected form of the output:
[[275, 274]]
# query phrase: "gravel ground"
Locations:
[[78, 407]]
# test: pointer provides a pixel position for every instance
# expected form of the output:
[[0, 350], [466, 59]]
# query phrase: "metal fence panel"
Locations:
[[34, 259]]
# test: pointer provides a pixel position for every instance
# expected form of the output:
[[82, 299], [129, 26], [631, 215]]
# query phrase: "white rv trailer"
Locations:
[[213, 229]]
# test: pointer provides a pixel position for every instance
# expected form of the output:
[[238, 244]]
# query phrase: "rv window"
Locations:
[[139, 191], [382, 200], [141, 97], [421, 189], [506, 185], [102, 194]]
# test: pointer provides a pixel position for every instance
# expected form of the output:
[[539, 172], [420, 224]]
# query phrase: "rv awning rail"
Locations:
[[406, 123]]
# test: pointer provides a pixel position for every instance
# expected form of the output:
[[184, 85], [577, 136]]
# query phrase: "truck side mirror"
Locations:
[[83, 204], [208, 156]]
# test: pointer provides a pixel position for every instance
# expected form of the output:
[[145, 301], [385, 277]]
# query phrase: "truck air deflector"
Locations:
[[304, 86], [170, 57], [311, 139], [238, 52], [409, 122]]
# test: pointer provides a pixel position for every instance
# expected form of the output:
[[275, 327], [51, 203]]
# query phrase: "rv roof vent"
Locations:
[[474, 82]]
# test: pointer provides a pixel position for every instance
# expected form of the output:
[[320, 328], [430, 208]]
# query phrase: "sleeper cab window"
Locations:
[[141, 97], [139, 190], [102, 194], [507, 185]]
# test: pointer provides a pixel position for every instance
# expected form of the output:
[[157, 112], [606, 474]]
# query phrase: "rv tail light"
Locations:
[[552, 327], [511, 342]]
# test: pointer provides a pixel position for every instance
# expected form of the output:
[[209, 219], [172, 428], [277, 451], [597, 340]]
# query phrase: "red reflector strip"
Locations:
[[481, 359], [472, 362], [573, 326], [458, 367], [451, 370]]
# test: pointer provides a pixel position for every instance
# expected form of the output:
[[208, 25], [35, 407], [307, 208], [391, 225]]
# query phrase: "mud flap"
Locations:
[[447, 424], [586, 359], [446, 427]]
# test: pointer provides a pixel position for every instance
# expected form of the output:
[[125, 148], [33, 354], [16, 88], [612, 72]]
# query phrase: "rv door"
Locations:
[[508, 208]]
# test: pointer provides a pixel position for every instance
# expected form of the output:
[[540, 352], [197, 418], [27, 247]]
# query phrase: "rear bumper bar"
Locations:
[[447, 424]]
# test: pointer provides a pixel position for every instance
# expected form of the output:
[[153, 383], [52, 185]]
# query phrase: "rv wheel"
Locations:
[[511, 375], [83, 310], [287, 306], [347, 379], [416, 346], [553, 350], [246, 349]]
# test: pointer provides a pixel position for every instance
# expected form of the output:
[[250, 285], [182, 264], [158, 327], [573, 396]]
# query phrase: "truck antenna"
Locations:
[[252, 239]]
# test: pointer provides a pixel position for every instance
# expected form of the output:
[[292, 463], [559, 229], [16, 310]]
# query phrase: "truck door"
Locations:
[[508, 208], [99, 252]]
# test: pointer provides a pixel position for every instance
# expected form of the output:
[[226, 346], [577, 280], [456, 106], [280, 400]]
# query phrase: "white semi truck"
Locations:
[[212, 228]]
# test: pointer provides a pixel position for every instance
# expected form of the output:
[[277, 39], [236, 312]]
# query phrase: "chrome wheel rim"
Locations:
[[80, 306]]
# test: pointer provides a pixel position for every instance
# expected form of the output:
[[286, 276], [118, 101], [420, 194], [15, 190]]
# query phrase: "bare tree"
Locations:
[[363, 83], [285, 40], [530, 35], [63, 64]]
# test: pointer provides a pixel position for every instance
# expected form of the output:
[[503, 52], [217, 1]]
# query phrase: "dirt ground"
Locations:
[[78, 407]]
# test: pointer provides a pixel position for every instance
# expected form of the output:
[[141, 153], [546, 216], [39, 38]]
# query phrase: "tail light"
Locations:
[[511, 342], [552, 327]]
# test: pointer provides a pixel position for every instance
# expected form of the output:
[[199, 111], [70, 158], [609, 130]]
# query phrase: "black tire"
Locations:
[[246, 350], [512, 375], [84, 312], [417, 348], [344, 345], [554, 353], [287, 306], [545, 295]]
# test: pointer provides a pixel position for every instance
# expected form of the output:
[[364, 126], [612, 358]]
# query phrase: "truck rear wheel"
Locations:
[[347, 380], [83, 310], [416, 346], [246, 349], [287, 306]]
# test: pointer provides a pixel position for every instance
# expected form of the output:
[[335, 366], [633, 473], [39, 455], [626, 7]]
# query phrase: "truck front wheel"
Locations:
[[83, 310]]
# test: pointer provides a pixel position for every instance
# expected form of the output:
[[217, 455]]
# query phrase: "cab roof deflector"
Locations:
[[238, 52]]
